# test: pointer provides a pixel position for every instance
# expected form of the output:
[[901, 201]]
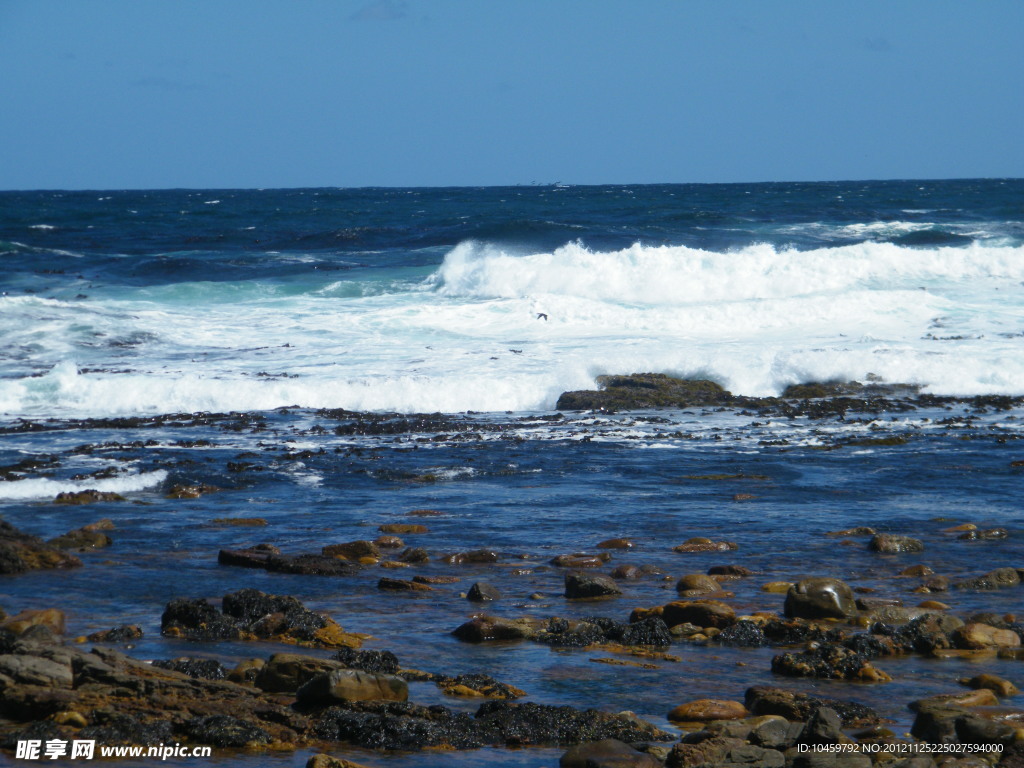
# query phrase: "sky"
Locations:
[[120, 94]]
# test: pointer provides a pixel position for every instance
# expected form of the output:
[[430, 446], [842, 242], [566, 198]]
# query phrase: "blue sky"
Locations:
[[109, 94]]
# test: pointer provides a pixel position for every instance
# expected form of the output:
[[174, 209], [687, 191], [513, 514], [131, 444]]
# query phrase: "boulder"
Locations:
[[21, 552], [607, 753], [481, 592], [705, 710], [976, 635], [820, 598], [352, 550], [344, 685], [287, 672], [587, 585], [702, 613], [892, 543], [1000, 578], [693, 584], [644, 390]]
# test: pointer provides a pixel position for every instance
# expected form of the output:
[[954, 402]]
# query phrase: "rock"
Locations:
[[705, 710], [828, 661], [777, 587], [207, 669], [246, 671], [414, 555], [35, 670], [1000, 578], [402, 528], [352, 550], [226, 731], [436, 579], [742, 634], [738, 571], [823, 727], [607, 753], [287, 672], [981, 697], [859, 531], [473, 557], [581, 560], [345, 685], [90, 496], [990, 534], [993, 683], [401, 585], [583, 586], [190, 491], [51, 618], [368, 661], [240, 522], [482, 591], [310, 565], [327, 761], [389, 542], [917, 570], [973, 728], [819, 598], [644, 390], [615, 544], [483, 628], [693, 584], [122, 634], [796, 706], [977, 635], [891, 543], [700, 544], [21, 552], [703, 613], [251, 557], [478, 686], [85, 538], [627, 572]]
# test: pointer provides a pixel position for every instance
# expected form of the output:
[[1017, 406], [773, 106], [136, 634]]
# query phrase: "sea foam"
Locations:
[[40, 488]]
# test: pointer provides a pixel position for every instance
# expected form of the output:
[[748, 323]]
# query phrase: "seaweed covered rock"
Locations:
[[830, 661], [287, 672], [799, 706], [207, 669], [368, 661], [250, 614], [589, 585], [225, 731], [476, 685], [892, 543], [21, 552], [644, 390], [1000, 578]]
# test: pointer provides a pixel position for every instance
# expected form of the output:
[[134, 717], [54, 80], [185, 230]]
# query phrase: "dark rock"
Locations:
[[796, 706], [86, 497], [197, 620], [352, 550], [483, 628], [525, 724], [208, 669], [990, 534], [414, 555], [702, 613], [311, 565], [649, 631], [82, 539], [287, 672], [402, 585], [820, 598], [828, 661], [21, 552], [582, 585], [384, 662], [974, 729], [730, 570], [122, 634], [252, 557], [398, 726], [891, 543], [115, 728], [607, 753], [644, 390], [581, 560], [477, 685], [822, 728], [694, 584], [1000, 578], [344, 685], [742, 634], [473, 557], [482, 591], [225, 731], [936, 723]]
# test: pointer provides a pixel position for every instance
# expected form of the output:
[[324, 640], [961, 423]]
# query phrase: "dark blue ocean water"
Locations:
[[275, 305]]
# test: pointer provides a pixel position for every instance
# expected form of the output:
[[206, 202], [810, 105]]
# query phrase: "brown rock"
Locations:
[[892, 543], [400, 585], [607, 753], [484, 628], [389, 542], [735, 571], [981, 697], [993, 683], [474, 557], [615, 544], [961, 528], [820, 598], [403, 528], [51, 618], [917, 571], [705, 710], [21, 552], [352, 550], [580, 560], [702, 613], [933, 605], [327, 761], [627, 572], [859, 531], [700, 544], [436, 579], [287, 672], [190, 491], [693, 584], [242, 522], [777, 587], [352, 685], [90, 496], [977, 635]]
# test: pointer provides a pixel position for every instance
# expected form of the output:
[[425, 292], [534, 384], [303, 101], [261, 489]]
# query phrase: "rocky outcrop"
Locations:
[[21, 552], [644, 390]]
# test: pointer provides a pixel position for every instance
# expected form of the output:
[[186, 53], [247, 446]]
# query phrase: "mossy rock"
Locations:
[[645, 390]]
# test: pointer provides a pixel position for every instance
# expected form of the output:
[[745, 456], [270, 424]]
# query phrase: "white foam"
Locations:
[[40, 488]]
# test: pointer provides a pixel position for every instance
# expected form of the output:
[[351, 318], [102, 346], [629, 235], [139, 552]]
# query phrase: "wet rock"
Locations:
[[581, 560], [993, 683], [226, 731], [977, 635], [936, 723], [705, 710], [207, 669], [917, 570], [436, 579], [287, 672], [828, 661], [797, 706], [414, 555], [473, 557], [644, 390], [517, 724], [21, 552], [22, 622], [328, 761], [972, 728], [310, 565], [240, 522], [1000, 578], [777, 587], [368, 661], [121, 634], [401, 585], [693, 584], [615, 544], [344, 685], [352, 550], [703, 613], [251, 557], [85, 538], [402, 528], [607, 753], [627, 572], [738, 571], [583, 585], [649, 631], [892, 543], [858, 531], [701, 544], [116, 728], [742, 634], [990, 534], [90, 496], [483, 592], [190, 491], [962, 700], [478, 686], [820, 598], [389, 542], [484, 628]]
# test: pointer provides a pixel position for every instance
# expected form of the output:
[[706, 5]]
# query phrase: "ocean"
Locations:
[[333, 359]]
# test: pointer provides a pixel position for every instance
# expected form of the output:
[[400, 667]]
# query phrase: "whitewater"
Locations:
[[493, 329]]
